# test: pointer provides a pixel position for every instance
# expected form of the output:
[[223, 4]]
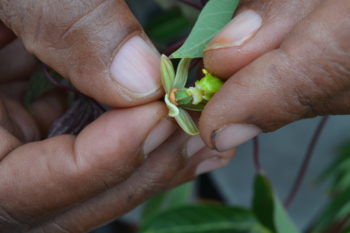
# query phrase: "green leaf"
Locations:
[[153, 206], [268, 208], [204, 218], [214, 16], [263, 203], [186, 123], [167, 200], [337, 211], [179, 196], [182, 73], [165, 27], [167, 72]]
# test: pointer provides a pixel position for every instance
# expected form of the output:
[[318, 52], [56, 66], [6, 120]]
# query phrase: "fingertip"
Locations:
[[136, 68], [227, 52]]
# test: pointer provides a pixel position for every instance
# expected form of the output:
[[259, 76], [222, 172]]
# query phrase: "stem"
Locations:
[[308, 155], [191, 3], [256, 155]]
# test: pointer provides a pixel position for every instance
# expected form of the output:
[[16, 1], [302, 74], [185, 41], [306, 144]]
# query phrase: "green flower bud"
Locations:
[[209, 85]]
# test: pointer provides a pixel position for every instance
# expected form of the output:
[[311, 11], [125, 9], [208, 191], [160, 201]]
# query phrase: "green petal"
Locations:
[[167, 72], [173, 109], [182, 73], [186, 123]]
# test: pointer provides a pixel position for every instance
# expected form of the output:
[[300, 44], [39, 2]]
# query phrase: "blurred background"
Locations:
[[282, 152]]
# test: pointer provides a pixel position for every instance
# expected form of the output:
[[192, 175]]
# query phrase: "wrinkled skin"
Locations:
[[296, 65], [76, 183]]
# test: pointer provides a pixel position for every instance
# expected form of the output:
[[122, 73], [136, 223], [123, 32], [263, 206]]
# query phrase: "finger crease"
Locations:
[[82, 17]]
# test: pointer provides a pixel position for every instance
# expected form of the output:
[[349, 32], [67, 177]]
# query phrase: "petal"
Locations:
[[167, 72], [182, 73], [186, 123]]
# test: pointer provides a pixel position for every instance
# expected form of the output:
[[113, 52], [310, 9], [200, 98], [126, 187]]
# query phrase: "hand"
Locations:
[[284, 61], [75, 183]]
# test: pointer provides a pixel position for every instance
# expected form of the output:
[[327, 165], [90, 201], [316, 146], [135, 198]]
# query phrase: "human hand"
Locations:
[[75, 183], [283, 61]]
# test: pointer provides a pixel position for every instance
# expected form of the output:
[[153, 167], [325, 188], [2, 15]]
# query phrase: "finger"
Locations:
[[258, 27], [157, 174], [6, 35], [18, 121], [97, 44], [31, 125], [204, 161], [105, 153], [286, 84], [15, 62]]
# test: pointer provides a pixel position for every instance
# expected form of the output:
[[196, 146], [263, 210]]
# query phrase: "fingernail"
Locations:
[[194, 145], [159, 134], [210, 165], [136, 67], [238, 31], [233, 135]]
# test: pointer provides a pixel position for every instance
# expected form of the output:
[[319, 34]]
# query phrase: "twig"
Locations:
[[308, 155], [256, 155], [191, 3]]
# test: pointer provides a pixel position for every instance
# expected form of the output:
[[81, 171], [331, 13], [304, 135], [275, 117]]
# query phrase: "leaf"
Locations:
[[167, 72], [153, 206], [186, 123], [189, 12], [337, 211], [168, 26], [204, 218], [182, 73], [166, 200], [179, 196], [268, 208], [214, 16], [263, 203]]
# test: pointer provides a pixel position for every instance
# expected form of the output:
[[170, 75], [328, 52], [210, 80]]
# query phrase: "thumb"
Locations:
[[303, 78], [97, 44]]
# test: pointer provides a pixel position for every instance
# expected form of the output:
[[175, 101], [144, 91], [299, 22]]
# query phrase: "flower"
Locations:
[[178, 98]]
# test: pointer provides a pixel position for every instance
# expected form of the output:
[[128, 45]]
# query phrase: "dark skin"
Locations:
[[76, 183], [295, 65]]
